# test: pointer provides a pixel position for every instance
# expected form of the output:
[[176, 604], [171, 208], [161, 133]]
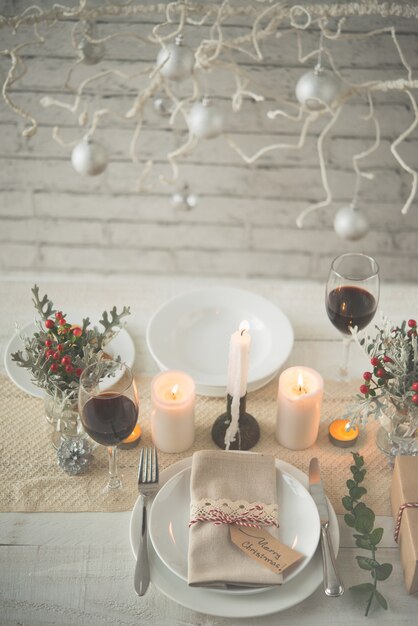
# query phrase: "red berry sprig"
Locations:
[[414, 397], [377, 378], [59, 349], [412, 332]]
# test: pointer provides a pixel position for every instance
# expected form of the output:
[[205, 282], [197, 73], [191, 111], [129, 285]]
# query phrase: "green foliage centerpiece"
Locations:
[[390, 389], [59, 350]]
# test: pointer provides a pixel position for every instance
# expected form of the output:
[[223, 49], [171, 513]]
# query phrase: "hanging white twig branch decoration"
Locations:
[[328, 195], [217, 51], [400, 160]]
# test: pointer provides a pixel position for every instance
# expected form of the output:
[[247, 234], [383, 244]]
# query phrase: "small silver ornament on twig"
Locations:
[[318, 89], [89, 52], [350, 223], [183, 200], [176, 61], [89, 157], [205, 120], [163, 106]]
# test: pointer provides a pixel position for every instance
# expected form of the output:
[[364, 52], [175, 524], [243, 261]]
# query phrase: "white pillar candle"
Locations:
[[172, 416], [299, 402], [239, 352]]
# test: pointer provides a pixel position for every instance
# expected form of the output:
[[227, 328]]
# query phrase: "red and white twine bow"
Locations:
[[406, 505], [255, 516]]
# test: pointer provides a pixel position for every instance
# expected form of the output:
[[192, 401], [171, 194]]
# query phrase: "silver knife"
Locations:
[[332, 583]]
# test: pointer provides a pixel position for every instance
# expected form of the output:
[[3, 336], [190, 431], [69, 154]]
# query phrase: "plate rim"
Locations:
[[294, 573], [236, 290]]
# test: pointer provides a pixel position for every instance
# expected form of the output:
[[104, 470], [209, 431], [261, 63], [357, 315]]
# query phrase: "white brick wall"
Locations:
[[53, 220]]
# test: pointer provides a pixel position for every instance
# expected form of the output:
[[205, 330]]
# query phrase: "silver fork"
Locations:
[[148, 487]]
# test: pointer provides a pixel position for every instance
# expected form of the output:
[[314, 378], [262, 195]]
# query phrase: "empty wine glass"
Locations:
[[108, 406], [352, 295]]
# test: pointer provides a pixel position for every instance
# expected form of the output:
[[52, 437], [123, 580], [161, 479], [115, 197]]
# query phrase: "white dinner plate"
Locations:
[[169, 523], [192, 331], [121, 345], [217, 603]]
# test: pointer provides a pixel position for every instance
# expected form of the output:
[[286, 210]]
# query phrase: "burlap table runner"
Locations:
[[31, 479]]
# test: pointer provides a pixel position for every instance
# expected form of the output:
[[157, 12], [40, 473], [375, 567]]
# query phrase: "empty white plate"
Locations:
[[192, 331], [169, 523]]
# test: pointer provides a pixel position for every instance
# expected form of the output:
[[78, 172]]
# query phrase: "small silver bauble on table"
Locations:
[[74, 455], [89, 157], [351, 224], [205, 120], [176, 60], [318, 88], [90, 53]]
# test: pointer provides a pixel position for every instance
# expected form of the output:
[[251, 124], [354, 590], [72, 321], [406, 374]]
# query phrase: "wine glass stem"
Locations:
[[114, 481], [345, 357]]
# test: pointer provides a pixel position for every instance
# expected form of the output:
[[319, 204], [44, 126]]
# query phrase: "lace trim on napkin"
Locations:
[[238, 512]]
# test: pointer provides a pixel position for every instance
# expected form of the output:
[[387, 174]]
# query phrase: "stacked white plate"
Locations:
[[168, 546], [192, 331]]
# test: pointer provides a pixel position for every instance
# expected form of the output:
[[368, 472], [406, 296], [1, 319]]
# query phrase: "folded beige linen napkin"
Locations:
[[228, 477]]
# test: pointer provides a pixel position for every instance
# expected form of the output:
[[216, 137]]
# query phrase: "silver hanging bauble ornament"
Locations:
[[318, 88], [163, 106], [183, 200], [351, 224], [89, 157], [176, 61], [90, 53], [205, 120]]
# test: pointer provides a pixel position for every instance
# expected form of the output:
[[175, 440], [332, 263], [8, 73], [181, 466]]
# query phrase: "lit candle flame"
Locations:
[[300, 381], [244, 327], [174, 390]]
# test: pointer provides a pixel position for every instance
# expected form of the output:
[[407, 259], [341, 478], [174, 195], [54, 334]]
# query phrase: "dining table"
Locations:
[[76, 566]]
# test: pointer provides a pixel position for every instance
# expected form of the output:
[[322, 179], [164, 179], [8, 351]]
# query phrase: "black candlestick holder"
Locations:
[[248, 429]]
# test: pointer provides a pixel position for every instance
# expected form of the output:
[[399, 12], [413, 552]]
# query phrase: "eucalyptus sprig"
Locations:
[[362, 519]]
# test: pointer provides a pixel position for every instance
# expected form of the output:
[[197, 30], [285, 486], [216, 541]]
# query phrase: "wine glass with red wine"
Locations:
[[352, 295], [108, 406]]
